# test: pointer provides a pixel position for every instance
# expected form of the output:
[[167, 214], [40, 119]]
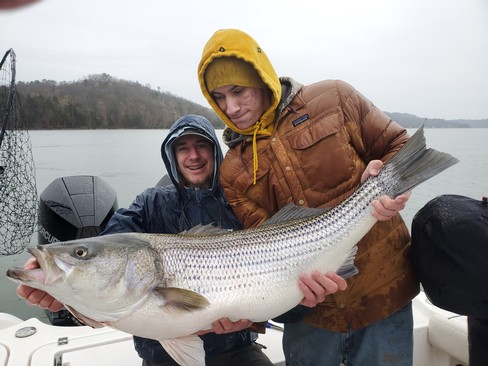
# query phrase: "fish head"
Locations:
[[103, 277]]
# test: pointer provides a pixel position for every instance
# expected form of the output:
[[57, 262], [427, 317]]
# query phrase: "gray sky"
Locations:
[[425, 57]]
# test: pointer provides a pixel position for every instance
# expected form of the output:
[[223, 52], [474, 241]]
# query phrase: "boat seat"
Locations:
[[450, 335]]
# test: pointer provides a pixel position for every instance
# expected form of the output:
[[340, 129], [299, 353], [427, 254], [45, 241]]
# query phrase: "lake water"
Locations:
[[130, 161]]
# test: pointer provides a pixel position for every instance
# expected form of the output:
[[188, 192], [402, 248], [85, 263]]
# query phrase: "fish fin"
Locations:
[[208, 229], [84, 319], [187, 351], [181, 299], [293, 212], [348, 269], [414, 163], [289, 212]]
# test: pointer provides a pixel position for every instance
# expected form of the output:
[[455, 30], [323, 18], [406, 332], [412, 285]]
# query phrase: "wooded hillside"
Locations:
[[102, 102]]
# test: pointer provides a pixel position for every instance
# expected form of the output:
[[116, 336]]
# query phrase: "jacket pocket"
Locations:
[[314, 131], [324, 153]]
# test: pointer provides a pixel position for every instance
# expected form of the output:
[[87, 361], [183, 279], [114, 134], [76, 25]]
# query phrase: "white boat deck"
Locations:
[[440, 339]]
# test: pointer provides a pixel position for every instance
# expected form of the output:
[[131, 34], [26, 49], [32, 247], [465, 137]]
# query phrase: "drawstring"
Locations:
[[268, 130], [255, 152], [256, 129]]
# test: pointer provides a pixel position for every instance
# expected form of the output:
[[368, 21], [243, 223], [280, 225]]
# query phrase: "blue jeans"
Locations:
[[388, 342]]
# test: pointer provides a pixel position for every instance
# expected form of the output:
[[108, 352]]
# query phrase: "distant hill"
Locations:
[[412, 121], [104, 102]]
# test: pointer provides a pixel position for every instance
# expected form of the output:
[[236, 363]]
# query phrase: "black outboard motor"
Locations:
[[71, 208]]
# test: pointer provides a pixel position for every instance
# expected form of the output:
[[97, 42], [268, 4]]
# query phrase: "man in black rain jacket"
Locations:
[[192, 197]]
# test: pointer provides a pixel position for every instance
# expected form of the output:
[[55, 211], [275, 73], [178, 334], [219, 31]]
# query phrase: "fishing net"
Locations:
[[18, 193]]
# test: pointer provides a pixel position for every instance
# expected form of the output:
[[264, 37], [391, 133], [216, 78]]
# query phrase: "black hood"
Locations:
[[202, 125]]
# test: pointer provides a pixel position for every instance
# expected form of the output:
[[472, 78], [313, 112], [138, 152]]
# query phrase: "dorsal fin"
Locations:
[[205, 230], [292, 212]]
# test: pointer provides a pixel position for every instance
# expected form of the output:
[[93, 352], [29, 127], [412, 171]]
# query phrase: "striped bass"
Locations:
[[167, 287]]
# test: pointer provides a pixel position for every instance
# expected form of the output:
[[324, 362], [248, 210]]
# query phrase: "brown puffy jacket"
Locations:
[[325, 135]]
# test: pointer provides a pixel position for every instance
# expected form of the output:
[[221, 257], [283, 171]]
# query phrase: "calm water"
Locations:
[[130, 161]]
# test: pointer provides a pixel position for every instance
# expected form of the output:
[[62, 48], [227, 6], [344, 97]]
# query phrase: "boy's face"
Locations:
[[244, 106], [195, 158]]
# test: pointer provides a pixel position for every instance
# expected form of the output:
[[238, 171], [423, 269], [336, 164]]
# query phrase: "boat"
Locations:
[[79, 206]]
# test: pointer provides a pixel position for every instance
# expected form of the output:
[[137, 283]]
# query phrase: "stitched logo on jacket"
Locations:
[[300, 120]]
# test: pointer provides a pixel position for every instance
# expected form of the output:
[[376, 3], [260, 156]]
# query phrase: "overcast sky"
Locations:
[[425, 57]]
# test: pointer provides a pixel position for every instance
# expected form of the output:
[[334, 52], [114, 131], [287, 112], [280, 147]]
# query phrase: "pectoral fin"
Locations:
[[181, 299], [187, 351]]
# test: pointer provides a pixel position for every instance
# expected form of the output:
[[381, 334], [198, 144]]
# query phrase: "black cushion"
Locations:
[[450, 253]]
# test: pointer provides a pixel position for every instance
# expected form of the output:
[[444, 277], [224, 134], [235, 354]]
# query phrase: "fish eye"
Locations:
[[81, 252]]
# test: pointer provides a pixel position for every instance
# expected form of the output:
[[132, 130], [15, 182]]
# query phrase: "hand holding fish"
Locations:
[[37, 297], [317, 286], [386, 207]]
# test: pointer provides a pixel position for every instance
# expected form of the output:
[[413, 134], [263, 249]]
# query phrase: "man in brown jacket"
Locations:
[[313, 145]]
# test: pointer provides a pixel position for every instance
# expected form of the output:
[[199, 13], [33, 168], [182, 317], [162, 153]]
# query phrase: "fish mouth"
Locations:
[[46, 273]]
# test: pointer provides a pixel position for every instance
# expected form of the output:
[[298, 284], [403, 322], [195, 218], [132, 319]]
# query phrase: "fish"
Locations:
[[169, 286]]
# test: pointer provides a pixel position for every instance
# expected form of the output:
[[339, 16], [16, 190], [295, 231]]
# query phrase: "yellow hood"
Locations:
[[235, 43]]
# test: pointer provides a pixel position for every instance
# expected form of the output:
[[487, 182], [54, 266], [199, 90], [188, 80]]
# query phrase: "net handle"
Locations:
[[11, 91]]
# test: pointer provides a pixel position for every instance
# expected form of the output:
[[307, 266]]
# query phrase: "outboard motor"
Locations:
[[71, 208]]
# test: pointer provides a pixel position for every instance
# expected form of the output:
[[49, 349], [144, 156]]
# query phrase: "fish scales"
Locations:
[[212, 264]]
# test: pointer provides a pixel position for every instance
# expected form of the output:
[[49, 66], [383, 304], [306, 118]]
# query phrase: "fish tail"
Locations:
[[414, 164]]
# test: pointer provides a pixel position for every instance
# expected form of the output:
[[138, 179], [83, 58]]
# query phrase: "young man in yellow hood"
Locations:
[[313, 145]]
